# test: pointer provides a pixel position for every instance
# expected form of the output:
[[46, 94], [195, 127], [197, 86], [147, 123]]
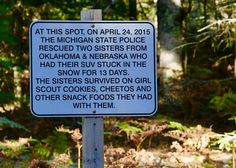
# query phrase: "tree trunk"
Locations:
[[132, 9], [169, 25], [234, 59]]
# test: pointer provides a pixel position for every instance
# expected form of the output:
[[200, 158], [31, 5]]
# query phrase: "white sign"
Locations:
[[98, 68]]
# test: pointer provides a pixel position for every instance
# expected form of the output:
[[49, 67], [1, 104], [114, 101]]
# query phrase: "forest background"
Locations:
[[197, 87]]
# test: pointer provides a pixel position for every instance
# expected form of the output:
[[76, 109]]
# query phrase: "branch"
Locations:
[[217, 22]]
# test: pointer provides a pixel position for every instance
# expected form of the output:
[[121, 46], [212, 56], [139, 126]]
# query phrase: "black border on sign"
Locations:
[[92, 115]]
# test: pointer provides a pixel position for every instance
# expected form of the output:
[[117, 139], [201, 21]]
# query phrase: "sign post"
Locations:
[[92, 127], [91, 69]]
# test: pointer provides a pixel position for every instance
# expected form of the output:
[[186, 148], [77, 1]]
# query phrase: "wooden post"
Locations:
[[92, 127], [93, 142]]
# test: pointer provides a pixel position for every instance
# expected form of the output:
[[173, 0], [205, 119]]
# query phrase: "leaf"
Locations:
[[5, 122], [5, 32], [58, 141], [178, 126], [128, 129], [4, 8], [14, 148], [225, 103], [6, 97], [5, 63], [233, 119], [42, 150], [226, 141], [200, 72]]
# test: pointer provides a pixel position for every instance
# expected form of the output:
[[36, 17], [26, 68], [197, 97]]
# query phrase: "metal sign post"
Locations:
[[93, 131]]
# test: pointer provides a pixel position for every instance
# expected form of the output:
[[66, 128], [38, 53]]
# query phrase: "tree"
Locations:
[[169, 31], [133, 9]]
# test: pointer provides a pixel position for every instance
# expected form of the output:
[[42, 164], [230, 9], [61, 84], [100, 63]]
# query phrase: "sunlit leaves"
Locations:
[[14, 148], [5, 62], [129, 129], [226, 141], [177, 125]]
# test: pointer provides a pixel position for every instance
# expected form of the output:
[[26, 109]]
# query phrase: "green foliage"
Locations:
[[129, 129], [5, 122], [224, 104], [58, 141], [208, 165], [42, 150], [5, 23], [14, 148], [210, 37], [7, 163], [226, 141], [199, 72], [5, 63], [233, 119], [54, 144], [6, 88], [4, 7], [225, 34], [6, 97], [177, 126]]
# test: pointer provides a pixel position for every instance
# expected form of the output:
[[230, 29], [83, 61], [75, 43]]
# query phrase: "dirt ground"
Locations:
[[159, 145], [166, 158]]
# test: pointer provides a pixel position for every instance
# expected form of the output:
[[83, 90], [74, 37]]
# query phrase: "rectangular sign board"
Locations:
[[92, 68]]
